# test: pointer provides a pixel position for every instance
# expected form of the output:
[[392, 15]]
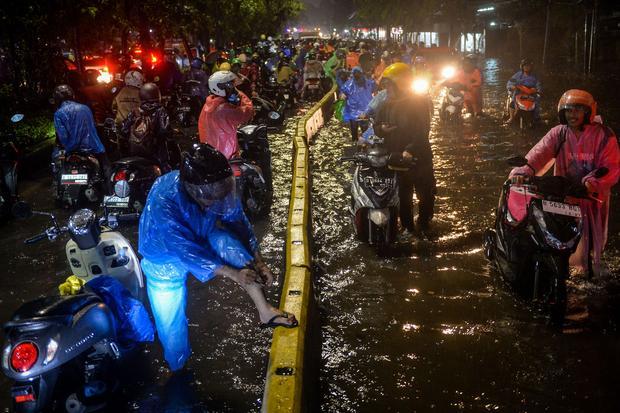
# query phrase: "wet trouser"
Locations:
[[424, 185], [168, 299], [355, 126]]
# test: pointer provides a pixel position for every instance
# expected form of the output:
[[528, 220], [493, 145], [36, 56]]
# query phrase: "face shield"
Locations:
[[219, 197]]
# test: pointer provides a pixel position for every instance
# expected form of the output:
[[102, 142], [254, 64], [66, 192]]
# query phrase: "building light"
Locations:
[[493, 24], [485, 9]]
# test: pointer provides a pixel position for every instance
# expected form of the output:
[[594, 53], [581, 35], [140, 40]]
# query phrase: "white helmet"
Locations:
[[218, 80], [134, 78]]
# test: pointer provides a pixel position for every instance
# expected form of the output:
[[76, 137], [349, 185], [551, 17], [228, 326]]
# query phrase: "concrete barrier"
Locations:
[[284, 387]]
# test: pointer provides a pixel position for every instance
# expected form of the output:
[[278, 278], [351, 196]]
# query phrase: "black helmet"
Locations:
[[149, 92], [196, 63], [208, 179], [62, 93], [525, 61]]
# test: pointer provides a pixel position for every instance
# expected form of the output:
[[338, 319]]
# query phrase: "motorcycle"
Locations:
[[525, 101], [79, 178], [131, 180], [188, 103], [64, 352], [313, 88], [452, 103], [252, 171], [9, 161], [537, 227], [267, 114], [374, 193]]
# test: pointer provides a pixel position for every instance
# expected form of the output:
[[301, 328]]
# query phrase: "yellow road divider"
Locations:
[[284, 387]]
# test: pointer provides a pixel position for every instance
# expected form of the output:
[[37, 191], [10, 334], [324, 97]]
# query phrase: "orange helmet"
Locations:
[[399, 73], [577, 97]]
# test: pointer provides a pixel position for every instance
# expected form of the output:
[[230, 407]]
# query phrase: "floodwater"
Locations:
[[226, 372], [431, 327]]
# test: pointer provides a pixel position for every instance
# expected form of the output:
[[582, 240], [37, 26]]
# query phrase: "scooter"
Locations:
[[9, 161], [525, 99], [78, 178], [63, 352], [188, 103], [537, 227], [267, 114], [131, 180], [374, 193], [252, 171], [452, 103]]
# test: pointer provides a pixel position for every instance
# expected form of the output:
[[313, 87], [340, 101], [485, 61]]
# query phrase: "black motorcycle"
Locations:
[[187, 103], [253, 171], [78, 178], [537, 227], [63, 353], [265, 113], [131, 180], [9, 161], [374, 193]]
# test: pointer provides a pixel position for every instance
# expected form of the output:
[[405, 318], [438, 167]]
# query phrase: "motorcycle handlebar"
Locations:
[[36, 238]]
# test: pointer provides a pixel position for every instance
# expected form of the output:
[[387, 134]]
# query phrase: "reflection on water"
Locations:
[[430, 327]]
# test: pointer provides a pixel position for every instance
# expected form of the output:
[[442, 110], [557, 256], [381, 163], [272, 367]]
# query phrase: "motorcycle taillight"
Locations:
[[120, 176], [24, 356]]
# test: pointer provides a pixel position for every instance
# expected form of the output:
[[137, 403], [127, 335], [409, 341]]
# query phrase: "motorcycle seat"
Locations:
[[54, 306], [133, 160]]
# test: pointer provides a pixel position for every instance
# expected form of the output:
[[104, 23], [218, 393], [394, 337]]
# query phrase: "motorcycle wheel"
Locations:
[[488, 243], [555, 295]]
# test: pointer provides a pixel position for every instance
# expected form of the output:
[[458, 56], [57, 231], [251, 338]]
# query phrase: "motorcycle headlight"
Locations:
[[448, 72], [421, 86], [378, 161]]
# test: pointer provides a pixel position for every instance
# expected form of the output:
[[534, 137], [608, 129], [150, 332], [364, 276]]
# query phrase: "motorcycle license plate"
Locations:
[[115, 201], [185, 109], [561, 208], [74, 179], [313, 86]]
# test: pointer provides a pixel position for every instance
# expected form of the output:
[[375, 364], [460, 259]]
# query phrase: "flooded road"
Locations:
[[431, 328], [226, 372]]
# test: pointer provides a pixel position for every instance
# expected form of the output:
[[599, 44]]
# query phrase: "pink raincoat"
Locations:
[[577, 159], [219, 121]]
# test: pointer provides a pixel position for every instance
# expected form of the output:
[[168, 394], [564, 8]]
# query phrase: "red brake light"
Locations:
[[24, 398], [120, 176], [23, 356], [153, 59]]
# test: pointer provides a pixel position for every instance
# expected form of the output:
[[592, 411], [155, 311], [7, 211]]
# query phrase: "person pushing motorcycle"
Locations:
[[194, 223], [403, 120], [577, 148]]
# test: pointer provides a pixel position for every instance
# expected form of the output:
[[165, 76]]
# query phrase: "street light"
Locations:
[[493, 24]]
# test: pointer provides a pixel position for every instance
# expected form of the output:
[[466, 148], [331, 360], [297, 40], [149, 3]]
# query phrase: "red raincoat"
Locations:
[[219, 121], [577, 159]]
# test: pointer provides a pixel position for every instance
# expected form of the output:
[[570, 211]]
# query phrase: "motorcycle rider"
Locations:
[[128, 99], [358, 92], [312, 70], [403, 121], [225, 109], [525, 78], [194, 223], [471, 78], [383, 63], [196, 73], [148, 129], [76, 131], [335, 64], [577, 148], [250, 70]]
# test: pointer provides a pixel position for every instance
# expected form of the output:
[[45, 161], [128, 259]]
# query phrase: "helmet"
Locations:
[[225, 67], [399, 73], [62, 93], [525, 61], [222, 81], [134, 78], [577, 97], [235, 61], [208, 179], [243, 58], [196, 63], [149, 92]]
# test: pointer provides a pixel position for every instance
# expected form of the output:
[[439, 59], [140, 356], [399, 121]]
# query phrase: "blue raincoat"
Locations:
[[75, 127], [178, 237], [358, 96], [530, 80]]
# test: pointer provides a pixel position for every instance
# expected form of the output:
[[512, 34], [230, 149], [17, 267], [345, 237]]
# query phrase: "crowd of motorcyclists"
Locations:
[[193, 221]]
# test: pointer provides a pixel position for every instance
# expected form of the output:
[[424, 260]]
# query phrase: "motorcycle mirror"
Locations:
[[21, 210], [516, 161], [274, 115], [601, 172], [17, 117]]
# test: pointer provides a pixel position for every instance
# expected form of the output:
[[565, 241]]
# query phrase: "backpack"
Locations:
[[142, 131]]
